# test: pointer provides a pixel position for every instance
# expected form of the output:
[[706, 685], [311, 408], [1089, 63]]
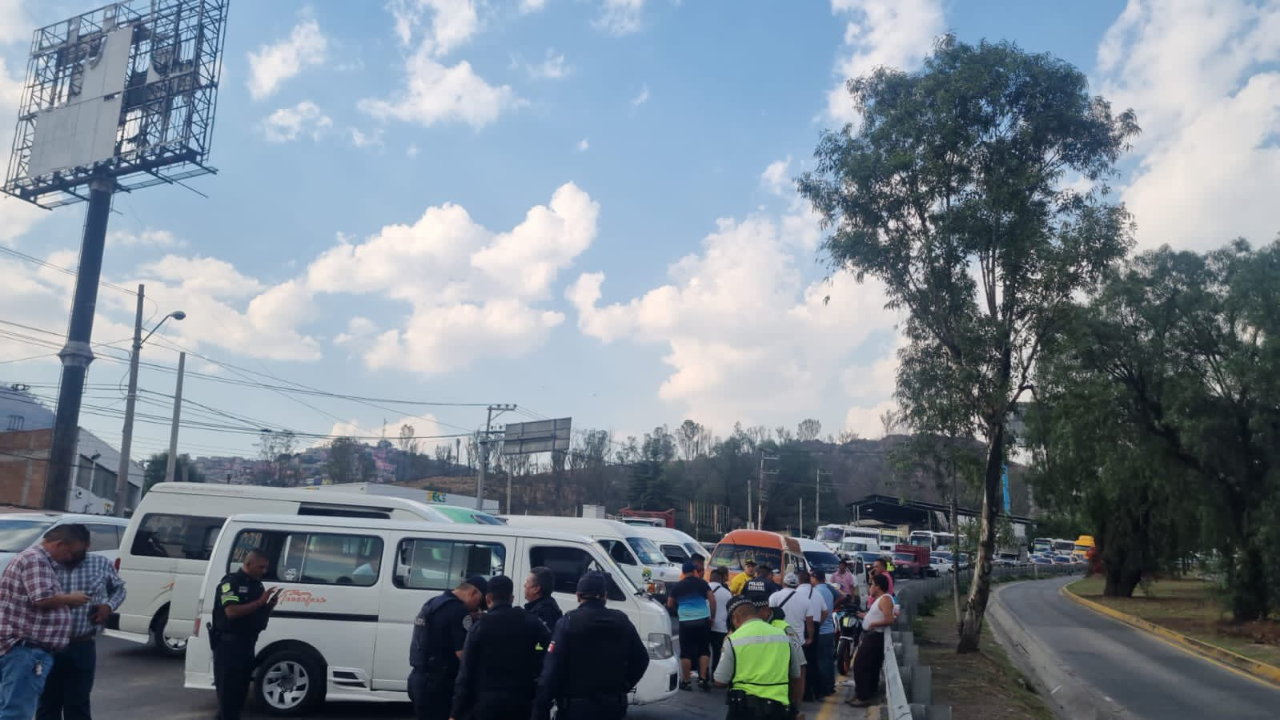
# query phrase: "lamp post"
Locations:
[[126, 438]]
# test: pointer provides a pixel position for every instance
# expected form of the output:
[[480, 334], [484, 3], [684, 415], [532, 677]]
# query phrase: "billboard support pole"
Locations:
[[77, 353]]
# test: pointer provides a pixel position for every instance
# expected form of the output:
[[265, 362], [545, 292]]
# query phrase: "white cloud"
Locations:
[[774, 178], [472, 291], [584, 145], [16, 216], [362, 139], [435, 93], [289, 124], [641, 98], [359, 330], [747, 338], [453, 22], [1203, 81], [412, 150], [144, 238], [272, 65], [620, 17], [205, 275], [552, 67], [531, 6], [895, 33], [424, 426], [15, 26]]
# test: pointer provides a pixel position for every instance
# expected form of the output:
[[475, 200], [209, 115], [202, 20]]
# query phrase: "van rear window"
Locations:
[[186, 537]]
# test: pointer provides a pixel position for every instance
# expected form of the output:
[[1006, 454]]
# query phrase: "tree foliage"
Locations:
[[157, 464], [953, 193]]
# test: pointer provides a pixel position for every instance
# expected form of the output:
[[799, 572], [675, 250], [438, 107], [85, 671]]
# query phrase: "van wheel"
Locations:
[[290, 682], [166, 646]]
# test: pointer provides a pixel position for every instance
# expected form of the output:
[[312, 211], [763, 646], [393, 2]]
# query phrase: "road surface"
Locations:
[[135, 684], [1128, 668]]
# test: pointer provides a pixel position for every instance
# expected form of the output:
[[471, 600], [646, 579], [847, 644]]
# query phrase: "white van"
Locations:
[[166, 547], [675, 546], [634, 553], [340, 635]]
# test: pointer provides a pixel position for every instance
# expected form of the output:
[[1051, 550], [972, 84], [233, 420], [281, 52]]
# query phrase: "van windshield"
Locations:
[[647, 551], [731, 557]]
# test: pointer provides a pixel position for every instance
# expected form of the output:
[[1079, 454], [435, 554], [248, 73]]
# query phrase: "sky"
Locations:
[[582, 207]]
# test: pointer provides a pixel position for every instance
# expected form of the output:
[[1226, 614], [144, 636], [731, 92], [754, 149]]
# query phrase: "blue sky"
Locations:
[[582, 207]]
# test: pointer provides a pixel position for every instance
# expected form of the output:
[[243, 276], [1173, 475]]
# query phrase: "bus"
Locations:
[[932, 540], [1041, 545], [1063, 547], [833, 535]]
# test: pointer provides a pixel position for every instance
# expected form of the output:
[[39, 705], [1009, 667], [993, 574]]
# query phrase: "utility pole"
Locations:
[[77, 354], [802, 516], [177, 414], [760, 490], [126, 438], [817, 497], [484, 457], [749, 525]]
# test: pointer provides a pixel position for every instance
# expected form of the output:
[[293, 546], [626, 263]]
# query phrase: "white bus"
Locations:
[[932, 540], [342, 634]]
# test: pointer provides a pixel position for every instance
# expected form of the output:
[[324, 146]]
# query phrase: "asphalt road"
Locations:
[[135, 684], [1142, 675]]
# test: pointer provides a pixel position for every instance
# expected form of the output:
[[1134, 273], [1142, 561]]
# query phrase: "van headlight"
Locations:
[[659, 646]]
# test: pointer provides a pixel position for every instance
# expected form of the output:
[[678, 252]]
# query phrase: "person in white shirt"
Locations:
[[720, 621], [800, 605]]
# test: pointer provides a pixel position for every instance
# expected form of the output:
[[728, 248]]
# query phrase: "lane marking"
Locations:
[[1168, 637]]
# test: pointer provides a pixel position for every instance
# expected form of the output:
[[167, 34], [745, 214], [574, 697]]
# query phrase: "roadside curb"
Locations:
[[1260, 671]]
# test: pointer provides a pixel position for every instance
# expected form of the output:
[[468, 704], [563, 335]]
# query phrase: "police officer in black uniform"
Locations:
[[439, 633], [501, 660], [240, 612], [595, 658], [537, 592]]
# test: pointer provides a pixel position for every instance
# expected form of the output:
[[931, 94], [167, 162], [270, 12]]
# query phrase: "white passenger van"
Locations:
[[675, 546], [166, 547], [634, 553], [339, 634]]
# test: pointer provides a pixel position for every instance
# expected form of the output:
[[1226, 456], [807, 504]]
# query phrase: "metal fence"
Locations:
[[909, 686]]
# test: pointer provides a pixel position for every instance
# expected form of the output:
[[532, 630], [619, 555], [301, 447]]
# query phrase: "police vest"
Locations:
[[762, 661]]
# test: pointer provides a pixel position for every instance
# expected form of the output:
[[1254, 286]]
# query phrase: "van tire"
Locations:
[[166, 647], [277, 679]]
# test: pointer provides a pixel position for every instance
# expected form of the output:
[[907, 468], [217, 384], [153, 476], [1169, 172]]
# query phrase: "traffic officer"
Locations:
[[760, 665], [537, 594], [501, 659], [439, 634], [595, 658], [241, 609], [757, 592]]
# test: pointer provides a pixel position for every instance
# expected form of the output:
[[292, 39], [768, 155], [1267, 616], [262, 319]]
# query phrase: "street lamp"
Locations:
[[126, 438]]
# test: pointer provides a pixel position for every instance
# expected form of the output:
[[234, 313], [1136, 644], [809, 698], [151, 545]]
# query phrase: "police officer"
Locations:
[[501, 659], [756, 591], [439, 634], [537, 593], [760, 665], [240, 612], [595, 658]]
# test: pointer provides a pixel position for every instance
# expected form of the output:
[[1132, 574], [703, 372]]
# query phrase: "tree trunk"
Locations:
[[955, 543], [1249, 584], [975, 608], [1121, 580]]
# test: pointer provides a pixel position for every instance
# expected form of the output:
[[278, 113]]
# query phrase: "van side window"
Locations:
[[618, 552], [569, 564], [434, 564], [186, 537], [312, 558]]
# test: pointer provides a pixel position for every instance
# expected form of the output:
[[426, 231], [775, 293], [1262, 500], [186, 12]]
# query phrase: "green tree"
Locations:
[[650, 487], [953, 192], [345, 460], [158, 463]]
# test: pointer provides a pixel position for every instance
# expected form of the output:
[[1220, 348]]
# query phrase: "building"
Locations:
[[24, 456], [896, 512]]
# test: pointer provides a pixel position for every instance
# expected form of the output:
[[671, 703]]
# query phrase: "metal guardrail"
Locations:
[[901, 704]]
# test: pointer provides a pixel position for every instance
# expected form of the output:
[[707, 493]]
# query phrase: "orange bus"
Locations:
[[779, 552]]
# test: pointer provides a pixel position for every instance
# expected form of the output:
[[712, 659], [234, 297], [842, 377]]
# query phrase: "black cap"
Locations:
[[592, 583], [736, 602], [478, 582], [756, 592]]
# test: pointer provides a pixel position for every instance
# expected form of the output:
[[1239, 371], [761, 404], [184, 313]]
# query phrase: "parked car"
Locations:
[[964, 561], [942, 562], [21, 530], [1061, 560], [1041, 560], [1005, 559]]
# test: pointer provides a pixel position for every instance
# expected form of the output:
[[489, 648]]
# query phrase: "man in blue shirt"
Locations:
[[824, 674], [695, 605]]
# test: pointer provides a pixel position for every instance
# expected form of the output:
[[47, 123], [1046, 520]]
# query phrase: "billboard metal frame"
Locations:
[[165, 128]]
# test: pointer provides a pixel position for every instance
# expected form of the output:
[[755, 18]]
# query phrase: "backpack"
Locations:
[[778, 614]]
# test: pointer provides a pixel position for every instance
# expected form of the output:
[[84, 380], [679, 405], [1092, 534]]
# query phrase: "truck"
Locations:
[[911, 561]]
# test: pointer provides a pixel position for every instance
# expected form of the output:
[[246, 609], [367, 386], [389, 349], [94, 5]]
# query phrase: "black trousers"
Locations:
[[502, 706], [592, 708], [867, 663], [66, 692], [232, 673], [432, 694], [717, 643]]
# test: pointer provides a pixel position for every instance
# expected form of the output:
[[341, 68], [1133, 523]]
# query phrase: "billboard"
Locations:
[[537, 437], [124, 93]]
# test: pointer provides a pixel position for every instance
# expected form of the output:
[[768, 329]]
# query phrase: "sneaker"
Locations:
[[686, 685], [705, 685]]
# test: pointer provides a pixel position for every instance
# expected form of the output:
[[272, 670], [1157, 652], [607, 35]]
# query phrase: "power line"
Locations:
[[65, 271]]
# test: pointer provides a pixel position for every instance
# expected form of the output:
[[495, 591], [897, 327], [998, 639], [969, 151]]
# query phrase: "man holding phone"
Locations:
[[241, 609]]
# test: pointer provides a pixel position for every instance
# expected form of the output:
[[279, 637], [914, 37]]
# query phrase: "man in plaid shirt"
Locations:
[[35, 617], [66, 693]]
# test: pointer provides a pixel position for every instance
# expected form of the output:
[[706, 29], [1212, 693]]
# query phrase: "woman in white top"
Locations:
[[869, 658], [720, 621]]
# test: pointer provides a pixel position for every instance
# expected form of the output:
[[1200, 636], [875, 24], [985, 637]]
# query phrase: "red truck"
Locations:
[[911, 561]]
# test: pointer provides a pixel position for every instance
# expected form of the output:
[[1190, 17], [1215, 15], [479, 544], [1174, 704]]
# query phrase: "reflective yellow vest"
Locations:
[[762, 661]]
